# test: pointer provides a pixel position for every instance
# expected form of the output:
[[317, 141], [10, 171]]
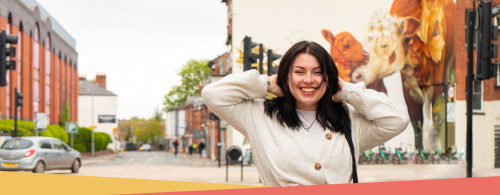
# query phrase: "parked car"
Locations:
[[145, 147], [130, 146], [38, 154]]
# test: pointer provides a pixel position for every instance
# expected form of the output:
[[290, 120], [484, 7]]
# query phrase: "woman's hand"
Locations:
[[336, 97], [274, 88]]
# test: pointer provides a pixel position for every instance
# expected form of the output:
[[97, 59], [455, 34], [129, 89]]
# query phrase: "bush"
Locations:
[[83, 140]]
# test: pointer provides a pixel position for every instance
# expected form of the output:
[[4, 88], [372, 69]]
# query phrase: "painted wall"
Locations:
[[103, 105], [483, 129], [409, 45]]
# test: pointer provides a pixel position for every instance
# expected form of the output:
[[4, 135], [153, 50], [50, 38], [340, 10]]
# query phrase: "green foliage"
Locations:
[[82, 141], [193, 73], [27, 128], [148, 130]]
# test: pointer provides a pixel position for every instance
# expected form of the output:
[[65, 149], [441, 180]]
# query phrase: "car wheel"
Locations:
[[76, 166], [39, 167]]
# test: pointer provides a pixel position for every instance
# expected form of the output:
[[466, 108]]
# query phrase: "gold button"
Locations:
[[328, 136], [317, 166]]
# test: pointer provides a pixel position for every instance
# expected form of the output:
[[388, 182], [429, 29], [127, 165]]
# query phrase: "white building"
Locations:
[[99, 109], [175, 126]]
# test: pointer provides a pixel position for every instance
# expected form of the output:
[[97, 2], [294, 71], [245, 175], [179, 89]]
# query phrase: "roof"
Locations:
[[55, 25], [194, 100], [86, 89]]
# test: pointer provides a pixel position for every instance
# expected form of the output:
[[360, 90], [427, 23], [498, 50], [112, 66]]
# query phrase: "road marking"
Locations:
[[131, 159], [150, 159]]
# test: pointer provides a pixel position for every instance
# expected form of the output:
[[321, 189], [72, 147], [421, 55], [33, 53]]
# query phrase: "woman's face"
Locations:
[[304, 80]]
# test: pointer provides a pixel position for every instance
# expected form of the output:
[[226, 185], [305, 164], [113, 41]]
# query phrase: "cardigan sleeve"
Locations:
[[230, 97], [376, 117]]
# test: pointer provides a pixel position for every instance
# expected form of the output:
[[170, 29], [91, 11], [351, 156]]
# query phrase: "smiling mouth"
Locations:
[[308, 90]]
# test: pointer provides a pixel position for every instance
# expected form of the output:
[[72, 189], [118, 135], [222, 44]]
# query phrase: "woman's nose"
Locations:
[[308, 78]]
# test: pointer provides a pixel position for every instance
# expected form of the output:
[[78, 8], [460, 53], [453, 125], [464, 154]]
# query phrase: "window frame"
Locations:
[[51, 146], [478, 93]]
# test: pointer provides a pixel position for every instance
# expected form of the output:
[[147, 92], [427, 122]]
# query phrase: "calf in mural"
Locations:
[[384, 41], [346, 51]]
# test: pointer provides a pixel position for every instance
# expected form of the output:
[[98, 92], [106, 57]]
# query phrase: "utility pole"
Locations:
[[93, 116], [470, 57]]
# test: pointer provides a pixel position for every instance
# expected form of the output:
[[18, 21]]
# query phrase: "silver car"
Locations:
[[38, 154]]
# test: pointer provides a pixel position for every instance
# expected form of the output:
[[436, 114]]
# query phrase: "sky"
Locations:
[[140, 45]]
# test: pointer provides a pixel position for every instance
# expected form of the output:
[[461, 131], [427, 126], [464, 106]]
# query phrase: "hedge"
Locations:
[[81, 140]]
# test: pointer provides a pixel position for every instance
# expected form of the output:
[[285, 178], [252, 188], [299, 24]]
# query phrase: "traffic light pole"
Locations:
[[14, 134], [470, 57]]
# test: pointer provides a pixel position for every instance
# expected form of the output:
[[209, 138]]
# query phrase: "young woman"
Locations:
[[313, 131]]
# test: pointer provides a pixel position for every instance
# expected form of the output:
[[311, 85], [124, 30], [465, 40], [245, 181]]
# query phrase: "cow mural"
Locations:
[[413, 38]]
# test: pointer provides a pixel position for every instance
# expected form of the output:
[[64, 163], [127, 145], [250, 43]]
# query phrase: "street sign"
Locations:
[[451, 92], [71, 127], [115, 131], [92, 127], [450, 116], [41, 121]]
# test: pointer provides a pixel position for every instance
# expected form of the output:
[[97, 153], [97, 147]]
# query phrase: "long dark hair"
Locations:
[[331, 115]]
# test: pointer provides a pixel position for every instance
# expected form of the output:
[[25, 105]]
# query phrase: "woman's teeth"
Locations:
[[308, 89]]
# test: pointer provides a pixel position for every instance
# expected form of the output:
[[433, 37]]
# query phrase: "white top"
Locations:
[[306, 117], [286, 157]]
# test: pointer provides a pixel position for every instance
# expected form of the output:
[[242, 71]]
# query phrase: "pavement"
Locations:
[[160, 165]]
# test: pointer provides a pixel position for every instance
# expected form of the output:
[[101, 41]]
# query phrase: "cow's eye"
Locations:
[[347, 46]]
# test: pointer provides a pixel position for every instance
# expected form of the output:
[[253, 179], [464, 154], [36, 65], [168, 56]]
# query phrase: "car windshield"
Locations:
[[16, 144], [146, 145]]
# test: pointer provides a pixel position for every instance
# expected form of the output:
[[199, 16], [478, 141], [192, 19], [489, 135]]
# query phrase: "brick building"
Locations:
[[46, 63]]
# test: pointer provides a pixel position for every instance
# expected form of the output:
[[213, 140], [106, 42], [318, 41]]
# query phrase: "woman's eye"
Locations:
[[299, 72]]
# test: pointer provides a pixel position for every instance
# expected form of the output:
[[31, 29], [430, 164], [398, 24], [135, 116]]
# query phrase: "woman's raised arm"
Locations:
[[230, 97], [377, 117]]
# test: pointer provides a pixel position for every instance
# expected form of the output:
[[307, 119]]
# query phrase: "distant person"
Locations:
[[191, 149], [194, 147], [201, 147], [309, 134], [176, 146]]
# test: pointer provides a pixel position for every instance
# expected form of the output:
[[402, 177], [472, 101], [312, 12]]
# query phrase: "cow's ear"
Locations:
[[328, 36], [409, 26]]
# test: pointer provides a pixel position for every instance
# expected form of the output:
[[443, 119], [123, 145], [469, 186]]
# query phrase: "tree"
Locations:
[[193, 73]]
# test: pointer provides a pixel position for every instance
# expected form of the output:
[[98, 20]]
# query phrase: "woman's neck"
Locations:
[[310, 107]]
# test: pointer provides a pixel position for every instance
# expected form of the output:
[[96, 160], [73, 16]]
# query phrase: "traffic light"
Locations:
[[485, 49], [18, 102], [19, 98], [261, 58], [270, 58], [4, 53], [248, 56]]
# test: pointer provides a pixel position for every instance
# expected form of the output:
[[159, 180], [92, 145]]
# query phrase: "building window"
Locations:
[[498, 74], [466, 33], [36, 71], [47, 77], [477, 95]]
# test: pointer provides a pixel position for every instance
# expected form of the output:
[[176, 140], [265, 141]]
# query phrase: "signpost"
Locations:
[[41, 122], [92, 128], [71, 128]]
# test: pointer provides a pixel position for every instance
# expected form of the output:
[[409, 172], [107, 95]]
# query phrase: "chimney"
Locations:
[[82, 77], [101, 79]]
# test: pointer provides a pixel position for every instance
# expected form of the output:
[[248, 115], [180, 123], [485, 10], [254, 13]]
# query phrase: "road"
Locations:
[[165, 166]]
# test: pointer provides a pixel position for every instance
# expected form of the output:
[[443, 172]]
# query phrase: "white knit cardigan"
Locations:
[[286, 157]]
